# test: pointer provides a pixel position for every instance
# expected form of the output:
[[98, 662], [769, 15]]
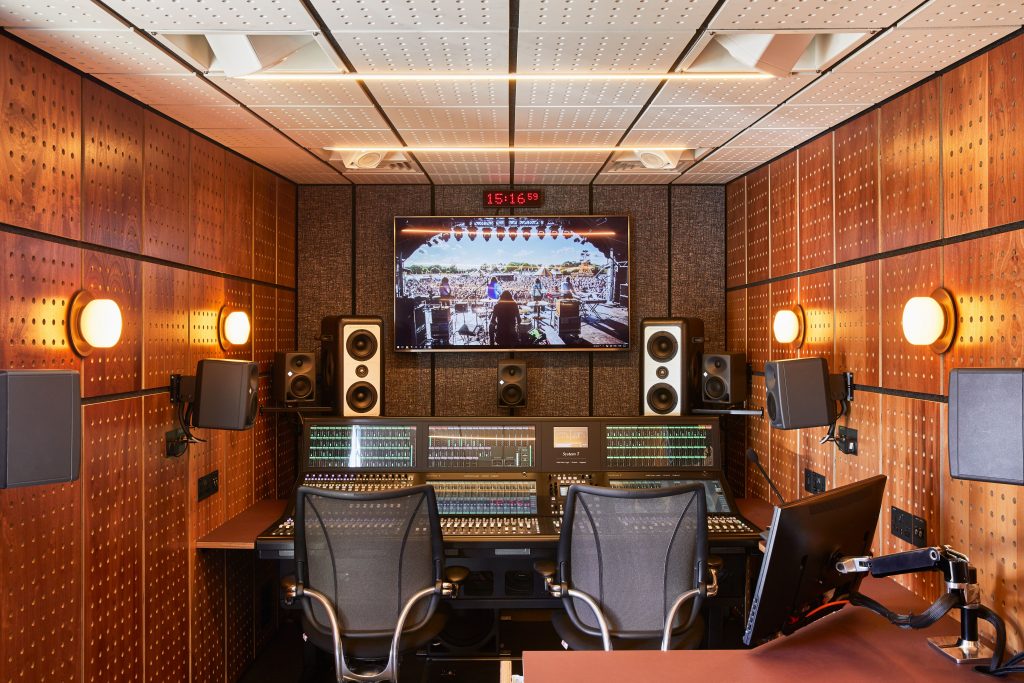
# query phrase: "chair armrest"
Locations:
[[547, 569], [606, 639], [453, 578], [715, 564], [666, 634]]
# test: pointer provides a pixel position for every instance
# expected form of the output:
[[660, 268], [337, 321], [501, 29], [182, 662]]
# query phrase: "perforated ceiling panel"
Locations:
[[450, 93], [426, 52], [719, 117], [244, 137], [318, 139], [249, 15], [856, 87], [230, 116], [54, 14], [413, 15], [809, 116], [648, 178], [589, 93], [603, 51], [741, 153], [678, 138], [778, 137], [294, 93], [941, 13], [102, 52], [321, 117], [167, 89], [796, 14], [597, 15], [695, 178], [490, 137], [921, 49], [449, 118], [573, 138], [739, 92], [615, 118]]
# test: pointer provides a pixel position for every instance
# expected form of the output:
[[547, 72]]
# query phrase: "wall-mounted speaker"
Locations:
[[511, 383], [672, 349], [40, 427], [798, 393], [226, 394], [723, 381], [986, 424], [352, 357], [294, 378]]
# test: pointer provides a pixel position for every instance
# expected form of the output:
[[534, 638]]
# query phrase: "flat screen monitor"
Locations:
[[799, 583], [502, 283]]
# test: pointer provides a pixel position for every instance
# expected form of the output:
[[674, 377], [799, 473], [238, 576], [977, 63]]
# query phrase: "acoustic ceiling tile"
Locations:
[[434, 137], [553, 179], [119, 51], [599, 52], [387, 178], [237, 15], [547, 118], [463, 168], [379, 16], [562, 157], [772, 15], [54, 14], [818, 116], [717, 117], [449, 117], [496, 178], [601, 15], [559, 137], [735, 152], [857, 87], [644, 178], [677, 138], [921, 49], [778, 137], [463, 157], [735, 167], [248, 137], [155, 90], [735, 92], [229, 116], [590, 93], [310, 178], [318, 139], [308, 93], [418, 52], [943, 13], [526, 167], [705, 178], [431, 93], [321, 118]]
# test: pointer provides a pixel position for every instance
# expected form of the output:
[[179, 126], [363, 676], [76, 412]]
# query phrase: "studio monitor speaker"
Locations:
[[294, 378], [511, 383], [672, 349], [986, 424], [226, 394], [352, 356], [723, 381], [40, 427], [799, 393]]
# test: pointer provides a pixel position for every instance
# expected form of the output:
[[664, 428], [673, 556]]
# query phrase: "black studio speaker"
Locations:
[[986, 424], [799, 393], [40, 427], [511, 383], [226, 394], [352, 359], [294, 377], [723, 381], [672, 349]]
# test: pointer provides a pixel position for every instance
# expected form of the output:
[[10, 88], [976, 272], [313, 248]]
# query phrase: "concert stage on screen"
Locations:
[[495, 283]]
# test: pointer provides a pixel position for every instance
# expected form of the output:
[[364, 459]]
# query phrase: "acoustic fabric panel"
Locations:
[[783, 221], [165, 301], [698, 259], [816, 222], [286, 200], [166, 172], [758, 249], [736, 233], [965, 147], [1006, 132], [118, 369], [206, 182], [856, 183]]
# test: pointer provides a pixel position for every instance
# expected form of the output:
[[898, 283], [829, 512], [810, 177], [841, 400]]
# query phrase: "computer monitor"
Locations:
[[798, 583]]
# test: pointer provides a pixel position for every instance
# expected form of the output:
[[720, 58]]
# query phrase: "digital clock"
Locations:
[[513, 198]]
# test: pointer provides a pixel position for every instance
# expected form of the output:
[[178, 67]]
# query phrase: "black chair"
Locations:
[[372, 565], [633, 568]]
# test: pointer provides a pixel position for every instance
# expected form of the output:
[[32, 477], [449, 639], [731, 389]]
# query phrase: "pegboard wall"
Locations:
[[109, 560], [815, 223], [784, 199], [915, 182]]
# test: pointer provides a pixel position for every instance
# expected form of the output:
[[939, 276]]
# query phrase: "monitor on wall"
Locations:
[[504, 283]]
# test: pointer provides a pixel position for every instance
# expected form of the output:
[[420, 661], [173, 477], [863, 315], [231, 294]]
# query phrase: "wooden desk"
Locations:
[[240, 532]]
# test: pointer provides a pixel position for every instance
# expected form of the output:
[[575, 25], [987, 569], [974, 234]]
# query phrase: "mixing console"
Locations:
[[474, 447], [656, 446], [717, 501], [359, 481], [361, 446], [487, 498], [492, 526]]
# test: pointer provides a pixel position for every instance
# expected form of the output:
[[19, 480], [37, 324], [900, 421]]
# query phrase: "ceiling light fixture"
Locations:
[[506, 77], [506, 150]]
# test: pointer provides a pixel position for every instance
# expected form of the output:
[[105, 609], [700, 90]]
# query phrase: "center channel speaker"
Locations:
[[294, 378], [724, 379], [511, 383], [352, 355], [671, 370]]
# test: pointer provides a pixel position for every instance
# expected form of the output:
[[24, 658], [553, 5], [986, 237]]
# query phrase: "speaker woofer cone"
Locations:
[[662, 398], [662, 347], [715, 388], [361, 397], [301, 386], [361, 345], [512, 394]]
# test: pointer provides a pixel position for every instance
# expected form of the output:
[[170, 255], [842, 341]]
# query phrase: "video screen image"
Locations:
[[511, 282]]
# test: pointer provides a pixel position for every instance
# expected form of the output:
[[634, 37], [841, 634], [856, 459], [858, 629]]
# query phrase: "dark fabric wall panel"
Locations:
[[698, 258], [325, 258]]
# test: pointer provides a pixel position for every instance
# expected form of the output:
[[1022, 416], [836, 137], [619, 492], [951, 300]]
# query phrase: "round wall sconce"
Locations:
[[233, 328], [788, 326], [930, 320], [93, 323]]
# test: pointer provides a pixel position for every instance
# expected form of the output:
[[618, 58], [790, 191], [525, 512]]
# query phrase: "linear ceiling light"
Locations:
[[334, 76], [505, 150]]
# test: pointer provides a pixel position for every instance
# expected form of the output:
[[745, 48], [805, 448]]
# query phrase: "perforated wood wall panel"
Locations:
[[816, 207], [206, 297], [285, 320], [207, 620], [40, 142], [166, 163], [906, 367], [286, 233], [736, 233], [858, 321], [285, 435], [1006, 132], [238, 215], [784, 198], [36, 286], [995, 549], [816, 298], [238, 476], [165, 562], [736, 320], [758, 251], [865, 416], [112, 500], [758, 327], [264, 252], [785, 468], [856, 183], [759, 435], [815, 456], [165, 301], [238, 297], [909, 135], [264, 448], [240, 616], [206, 202], [113, 138], [784, 293], [118, 369], [965, 147], [264, 326]]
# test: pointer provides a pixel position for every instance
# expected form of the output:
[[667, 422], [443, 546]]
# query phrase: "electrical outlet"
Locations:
[[846, 441], [909, 528], [814, 482], [209, 484]]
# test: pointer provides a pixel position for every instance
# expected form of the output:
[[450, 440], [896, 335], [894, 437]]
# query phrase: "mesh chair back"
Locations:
[[369, 553], [634, 552]]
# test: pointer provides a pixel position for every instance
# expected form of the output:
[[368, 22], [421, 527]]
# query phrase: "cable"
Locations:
[[999, 647], [819, 608], [830, 435]]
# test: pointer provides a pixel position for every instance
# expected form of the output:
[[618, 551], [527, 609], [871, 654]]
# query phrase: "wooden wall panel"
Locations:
[[286, 200], [112, 198], [736, 320], [759, 435], [783, 294], [856, 183], [206, 297], [736, 233], [206, 202], [264, 242], [285, 320], [759, 323], [816, 222], [285, 435], [165, 561], [264, 448], [207, 617], [37, 282], [264, 326], [238, 215], [240, 614], [112, 492], [165, 303], [909, 135], [815, 456], [817, 300], [784, 458], [965, 147], [40, 142], [858, 322], [783, 209], [166, 181], [996, 538], [238, 297], [1006, 132], [118, 369], [758, 238], [238, 475], [906, 367], [866, 417]]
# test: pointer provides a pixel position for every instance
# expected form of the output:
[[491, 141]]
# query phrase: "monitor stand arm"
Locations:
[[962, 591]]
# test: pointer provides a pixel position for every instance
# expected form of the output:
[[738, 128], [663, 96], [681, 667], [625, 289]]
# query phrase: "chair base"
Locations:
[[577, 640]]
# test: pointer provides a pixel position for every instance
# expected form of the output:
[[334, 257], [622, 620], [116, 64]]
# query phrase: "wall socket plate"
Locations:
[[846, 441], [209, 484], [814, 482], [908, 527]]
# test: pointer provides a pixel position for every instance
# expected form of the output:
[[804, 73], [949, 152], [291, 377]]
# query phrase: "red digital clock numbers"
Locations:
[[513, 198]]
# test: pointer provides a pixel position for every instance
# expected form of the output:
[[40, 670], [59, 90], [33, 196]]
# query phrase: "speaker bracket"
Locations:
[[842, 386]]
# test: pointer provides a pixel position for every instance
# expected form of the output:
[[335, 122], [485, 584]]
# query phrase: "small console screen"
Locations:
[[718, 503], [488, 498], [650, 446], [571, 437], [476, 447], [354, 446]]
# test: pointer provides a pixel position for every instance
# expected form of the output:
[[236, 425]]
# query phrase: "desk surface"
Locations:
[[240, 532]]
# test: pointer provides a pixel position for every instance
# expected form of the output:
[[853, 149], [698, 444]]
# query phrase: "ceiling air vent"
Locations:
[[373, 160], [656, 160], [778, 54]]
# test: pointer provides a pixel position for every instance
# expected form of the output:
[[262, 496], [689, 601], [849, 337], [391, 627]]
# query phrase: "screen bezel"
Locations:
[[520, 349]]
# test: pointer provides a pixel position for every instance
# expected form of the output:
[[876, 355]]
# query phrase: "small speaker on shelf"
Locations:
[[352, 359], [511, 383], [672, 349], [724, 379], [294, 378], [226, 394]]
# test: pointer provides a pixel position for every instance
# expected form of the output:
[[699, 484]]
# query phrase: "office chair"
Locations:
[[371, 566], [632, 568]]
